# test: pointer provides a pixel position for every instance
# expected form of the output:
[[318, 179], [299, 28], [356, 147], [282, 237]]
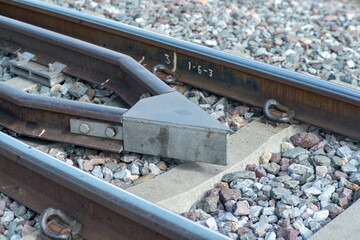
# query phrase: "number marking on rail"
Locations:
[[200, 70]]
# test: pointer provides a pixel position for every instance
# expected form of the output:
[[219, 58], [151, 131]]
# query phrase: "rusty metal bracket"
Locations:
[[57, 225], [163, 69], [286, 116]]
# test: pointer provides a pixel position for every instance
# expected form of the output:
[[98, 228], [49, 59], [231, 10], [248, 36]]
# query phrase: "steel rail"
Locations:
[[49, 118], [104, 67], [314, 101], [105, 211]]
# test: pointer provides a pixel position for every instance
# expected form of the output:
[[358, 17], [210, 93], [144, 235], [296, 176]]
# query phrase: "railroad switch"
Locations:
[[166, 125]]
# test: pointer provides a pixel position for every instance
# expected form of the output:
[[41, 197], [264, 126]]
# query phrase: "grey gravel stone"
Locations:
[[336, 161], [305, 232], [270, 236], [268, 211], [266, 188], [263, 203], [144, 170], [154, 169], [322, 160], [291, 200], [355, 178], [64, 89], [97, 172], [300, 169], [291, 184], [326, 194], [151, 159], [20, 211], [78, 89], [285, 146], [229, 205], [283, 178], [226, 217], [112, 166], [295, 152], [28, 215], [354, 162], [272, 168], [266, 226], [123, 174], [238, 175], [107, 173], [278, 193], [58, 153], [344, 151], [15, 237], [242, 183], [272, 218], [134, 168], [348, 168], [356, 156], [7, 217], [248, 236], [294, 213], [129, 158], [314, 226], [255, 211], [102, 93], [211, 43], [211, 223], [321, 215], [258, 186], [209, 204], [312, 191]]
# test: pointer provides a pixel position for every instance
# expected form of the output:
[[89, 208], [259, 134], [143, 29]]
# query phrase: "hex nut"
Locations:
[[110, 132], [84, 128]]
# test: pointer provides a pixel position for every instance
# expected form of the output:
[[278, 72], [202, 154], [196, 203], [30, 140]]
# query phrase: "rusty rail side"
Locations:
[[49, 118], [105, 211], [102, 66], [315, 101]]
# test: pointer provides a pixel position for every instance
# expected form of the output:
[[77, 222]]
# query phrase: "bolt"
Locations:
[[51, 67], [20, 57], [84, 128], [110, 132]]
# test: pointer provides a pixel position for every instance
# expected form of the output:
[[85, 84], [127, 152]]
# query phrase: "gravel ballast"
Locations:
[[289, 195], [16, 220]]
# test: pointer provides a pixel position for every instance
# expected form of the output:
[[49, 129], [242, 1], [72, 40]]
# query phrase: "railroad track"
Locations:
[[242, 80], [79, 123]]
